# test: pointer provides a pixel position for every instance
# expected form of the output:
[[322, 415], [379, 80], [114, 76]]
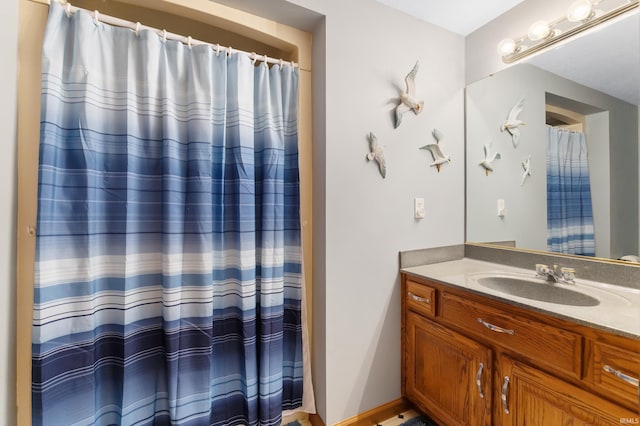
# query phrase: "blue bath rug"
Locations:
[[293, 423], [419, 421]]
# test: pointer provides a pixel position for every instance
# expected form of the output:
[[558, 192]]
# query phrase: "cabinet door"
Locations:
[[447, 375], [531, 397]]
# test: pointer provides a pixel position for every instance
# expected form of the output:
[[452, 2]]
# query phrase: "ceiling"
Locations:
[[447, 14]]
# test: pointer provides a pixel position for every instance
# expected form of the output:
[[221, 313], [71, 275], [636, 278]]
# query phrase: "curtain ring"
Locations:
[[164, 35], [138, 28], [229, 51], [293, 65], [189, 41], [217, 49], [266, 61], [67, 9], [96, 17], [281, 64], [254, 58]]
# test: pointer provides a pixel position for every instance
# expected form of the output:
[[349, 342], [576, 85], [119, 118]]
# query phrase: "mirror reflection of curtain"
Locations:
[[570, 226], [168, 267]]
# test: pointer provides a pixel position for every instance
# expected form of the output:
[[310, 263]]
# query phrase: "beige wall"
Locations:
[[198, 18]]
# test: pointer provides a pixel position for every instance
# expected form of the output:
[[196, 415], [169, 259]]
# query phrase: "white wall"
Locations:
[[367, 220], [8, 136]]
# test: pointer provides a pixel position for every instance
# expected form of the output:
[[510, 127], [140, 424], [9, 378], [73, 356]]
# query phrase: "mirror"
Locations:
[[591, 82]]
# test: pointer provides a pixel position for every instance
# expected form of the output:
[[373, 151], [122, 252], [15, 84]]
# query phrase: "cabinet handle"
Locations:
[[620, 375], [496, 328], [479, 380], [503, 396], [419, 299]]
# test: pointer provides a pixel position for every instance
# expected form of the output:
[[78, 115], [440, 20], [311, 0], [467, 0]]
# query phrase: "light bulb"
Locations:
[[539, 30], [506, 47], [579, 10]]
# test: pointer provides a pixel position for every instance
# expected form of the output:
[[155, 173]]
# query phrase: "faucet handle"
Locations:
[[541, 269], [568, 274]]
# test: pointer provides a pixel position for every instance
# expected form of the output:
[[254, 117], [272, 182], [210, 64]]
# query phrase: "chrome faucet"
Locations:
[[565, 275]]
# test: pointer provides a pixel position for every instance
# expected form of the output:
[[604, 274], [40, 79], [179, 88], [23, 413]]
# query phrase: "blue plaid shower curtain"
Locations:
[[168, 260], [570, 226]]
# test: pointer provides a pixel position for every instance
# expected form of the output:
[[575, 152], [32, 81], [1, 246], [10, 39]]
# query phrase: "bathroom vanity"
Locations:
[[555, 354]]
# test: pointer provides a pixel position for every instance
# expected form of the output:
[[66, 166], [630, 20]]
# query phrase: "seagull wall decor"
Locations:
[[439, 158], [512, 123], [487, 163], [526, 166], [408, 101], [376, 154]]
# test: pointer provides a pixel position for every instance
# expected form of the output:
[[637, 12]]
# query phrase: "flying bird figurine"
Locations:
[[439, 158], [487, 163], [526, 166], [408, 101], [376, 153], [512, 123]]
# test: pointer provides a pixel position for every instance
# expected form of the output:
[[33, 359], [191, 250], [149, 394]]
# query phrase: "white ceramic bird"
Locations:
[[487, 163], [439, 158], [512, 123], [526, 166], [408, 101], [376, 154]]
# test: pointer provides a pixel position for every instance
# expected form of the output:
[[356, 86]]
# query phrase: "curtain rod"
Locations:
[[166, 35]]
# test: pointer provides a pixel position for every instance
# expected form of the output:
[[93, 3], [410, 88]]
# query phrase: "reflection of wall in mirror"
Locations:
[[608, 121]]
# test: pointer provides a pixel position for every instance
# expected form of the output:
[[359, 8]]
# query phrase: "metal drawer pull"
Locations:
[[503, 396], [419, 299], [496, 328], [620, 375], [479, 380]]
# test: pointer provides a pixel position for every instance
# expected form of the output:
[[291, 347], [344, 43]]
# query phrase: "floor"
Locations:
[[393, 421], [397, 420]]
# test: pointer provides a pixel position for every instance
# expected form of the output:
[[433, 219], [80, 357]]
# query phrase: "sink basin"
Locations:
[[538, 290]]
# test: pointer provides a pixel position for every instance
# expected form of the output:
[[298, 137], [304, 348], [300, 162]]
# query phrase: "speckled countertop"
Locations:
[[617, 312]]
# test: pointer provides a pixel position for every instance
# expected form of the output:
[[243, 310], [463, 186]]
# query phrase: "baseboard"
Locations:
[[316, 420], [378, 414], [300, 417]]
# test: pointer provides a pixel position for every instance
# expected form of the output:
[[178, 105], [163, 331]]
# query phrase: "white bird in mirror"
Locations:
[[439, 158], [489, 157], [526, 166], [376, 154], [408, 101], [512, 123]]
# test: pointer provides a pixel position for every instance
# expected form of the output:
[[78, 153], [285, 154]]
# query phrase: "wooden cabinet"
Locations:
[[529, 396], [541, 343], [615, 371], [447, 372], [469, 359]]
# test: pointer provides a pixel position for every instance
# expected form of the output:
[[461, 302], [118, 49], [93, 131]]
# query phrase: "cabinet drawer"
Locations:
[[421, 298], [542, 344], [610, 367]]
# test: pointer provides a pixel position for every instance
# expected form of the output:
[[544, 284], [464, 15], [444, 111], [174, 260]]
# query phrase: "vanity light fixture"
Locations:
[[539, 30], [581, 15], [580, 10]]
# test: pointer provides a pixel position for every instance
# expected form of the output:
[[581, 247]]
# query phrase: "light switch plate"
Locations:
[[418, 208]]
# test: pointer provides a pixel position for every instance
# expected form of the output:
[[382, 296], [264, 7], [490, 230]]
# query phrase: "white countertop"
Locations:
[[617, 312]]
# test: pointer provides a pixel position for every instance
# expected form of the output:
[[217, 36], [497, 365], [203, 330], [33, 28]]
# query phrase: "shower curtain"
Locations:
[[168, 259], [570, 226]]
